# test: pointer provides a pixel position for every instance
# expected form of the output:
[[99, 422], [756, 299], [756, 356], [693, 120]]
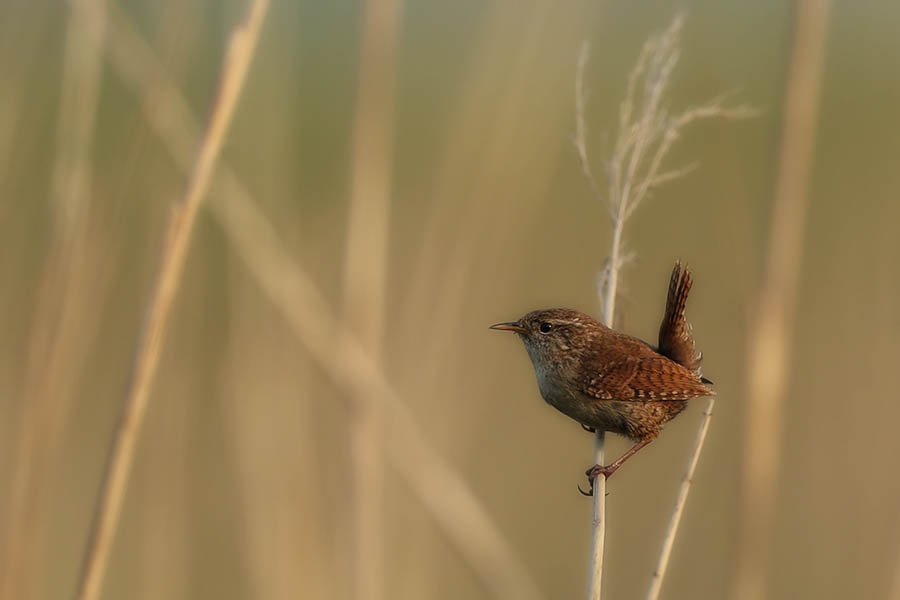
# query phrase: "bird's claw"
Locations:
[[588, 428], [590, 492], [595, 472]]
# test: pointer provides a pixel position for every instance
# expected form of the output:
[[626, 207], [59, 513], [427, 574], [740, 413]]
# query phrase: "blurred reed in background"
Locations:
[[244, 484]]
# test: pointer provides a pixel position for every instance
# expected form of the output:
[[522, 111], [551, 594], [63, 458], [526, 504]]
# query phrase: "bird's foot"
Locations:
[[588, 428], [595, 472]]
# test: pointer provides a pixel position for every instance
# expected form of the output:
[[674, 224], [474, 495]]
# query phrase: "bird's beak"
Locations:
[[511, 326]]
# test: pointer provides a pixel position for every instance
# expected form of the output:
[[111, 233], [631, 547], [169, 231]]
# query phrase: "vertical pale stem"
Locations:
[[181, 225], [598, 523], [770, 323], [598, 520], [612, 280]]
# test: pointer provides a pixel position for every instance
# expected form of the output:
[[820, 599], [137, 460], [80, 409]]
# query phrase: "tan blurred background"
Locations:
[[243, 484]]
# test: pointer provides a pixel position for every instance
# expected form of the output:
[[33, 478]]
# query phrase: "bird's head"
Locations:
[[552, 335]]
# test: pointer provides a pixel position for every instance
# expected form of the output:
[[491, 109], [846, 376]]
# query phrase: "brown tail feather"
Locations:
[[676, 340]]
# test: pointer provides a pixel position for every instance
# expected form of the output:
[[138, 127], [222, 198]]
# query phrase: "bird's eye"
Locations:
[[546, 327]]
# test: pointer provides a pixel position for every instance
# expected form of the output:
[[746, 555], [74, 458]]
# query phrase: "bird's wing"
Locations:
[[611, 381], [651, 378], [662, 379], [676, 339]]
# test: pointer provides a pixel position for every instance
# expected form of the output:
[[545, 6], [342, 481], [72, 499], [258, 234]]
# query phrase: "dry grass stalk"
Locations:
[[646, 133], [598, 523], [365, 274], [181, 225], [449, 500], [63, 318], [770, 324], [443, 492], [662, 563]]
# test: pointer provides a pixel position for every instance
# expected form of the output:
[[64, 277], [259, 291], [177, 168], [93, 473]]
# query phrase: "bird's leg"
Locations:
[[609, 469], [588, 428]]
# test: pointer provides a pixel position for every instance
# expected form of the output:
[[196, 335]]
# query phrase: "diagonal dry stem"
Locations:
[[181, 225], [662, 563], [450, 501], [443, 492]]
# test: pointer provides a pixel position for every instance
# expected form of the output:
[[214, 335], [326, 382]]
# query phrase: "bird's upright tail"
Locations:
[[676, 338]]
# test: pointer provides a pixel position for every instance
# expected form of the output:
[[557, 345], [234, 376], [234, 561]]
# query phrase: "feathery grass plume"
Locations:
[[647, 131], [114, 484], [769, 341], [449, 500]]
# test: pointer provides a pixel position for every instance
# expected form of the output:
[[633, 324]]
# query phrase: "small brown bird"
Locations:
[[612, 381]]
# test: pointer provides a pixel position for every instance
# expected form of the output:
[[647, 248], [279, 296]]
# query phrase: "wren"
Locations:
[[612, 381]]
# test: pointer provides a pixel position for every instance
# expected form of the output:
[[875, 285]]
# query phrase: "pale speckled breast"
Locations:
[[606, 414]]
